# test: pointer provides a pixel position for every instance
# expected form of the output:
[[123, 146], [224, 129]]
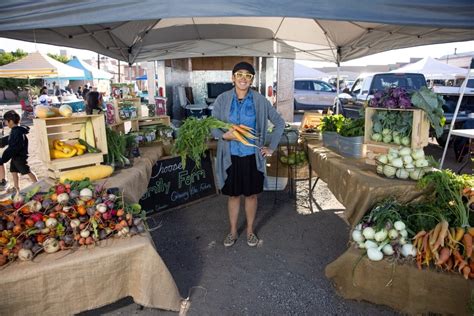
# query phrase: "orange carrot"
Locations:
[[242, 139], [442, 235], [420, 234], [459, 233], [465, 271], [444, 255], [435, 233], [470, 230], [244, 132], [467, 242], [248, 128], [449, 264]]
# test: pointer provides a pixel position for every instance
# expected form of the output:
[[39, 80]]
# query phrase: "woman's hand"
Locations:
[[229, 135], [266, 152]]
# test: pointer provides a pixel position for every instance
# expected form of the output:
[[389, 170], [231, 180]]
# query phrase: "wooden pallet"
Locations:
[[67, 130]]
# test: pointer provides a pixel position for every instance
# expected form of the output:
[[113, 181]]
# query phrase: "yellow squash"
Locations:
[[93, 173]]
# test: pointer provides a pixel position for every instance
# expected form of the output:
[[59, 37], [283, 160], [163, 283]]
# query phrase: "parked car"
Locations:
[[311, 94], [363, 89]]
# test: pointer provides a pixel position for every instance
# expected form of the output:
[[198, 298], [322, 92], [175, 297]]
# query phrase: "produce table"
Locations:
[[69, 282], [355, 184], [411, 291]]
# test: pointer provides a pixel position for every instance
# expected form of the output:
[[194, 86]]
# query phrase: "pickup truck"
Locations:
[[351, 103]]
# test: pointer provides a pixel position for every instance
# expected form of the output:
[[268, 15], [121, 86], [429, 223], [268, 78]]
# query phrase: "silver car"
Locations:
[[313, 94]]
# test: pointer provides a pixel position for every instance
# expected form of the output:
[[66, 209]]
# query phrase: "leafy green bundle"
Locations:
[[332, 123], [352, 128]]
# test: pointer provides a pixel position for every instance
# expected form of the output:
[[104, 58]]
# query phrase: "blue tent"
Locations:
[[90, 73]]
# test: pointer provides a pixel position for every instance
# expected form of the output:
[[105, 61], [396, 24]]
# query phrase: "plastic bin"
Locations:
[[352, 146]]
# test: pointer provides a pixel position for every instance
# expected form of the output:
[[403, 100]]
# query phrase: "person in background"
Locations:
[[240, 169], [69, 89], [17, 151], [93, 101], [79, 92], [85, 91], [43, 98]]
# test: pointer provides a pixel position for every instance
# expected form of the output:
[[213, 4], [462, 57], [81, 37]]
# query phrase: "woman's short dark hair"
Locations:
[[11, 116]]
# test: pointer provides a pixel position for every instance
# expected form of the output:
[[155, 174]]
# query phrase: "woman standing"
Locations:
[[240, 169]]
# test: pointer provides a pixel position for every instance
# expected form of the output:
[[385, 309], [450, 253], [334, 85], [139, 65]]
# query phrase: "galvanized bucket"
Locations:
[[352, 146]]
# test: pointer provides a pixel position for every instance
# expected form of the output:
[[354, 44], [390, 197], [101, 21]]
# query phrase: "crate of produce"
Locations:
[[309, 128], [411, 127], [372, 151], [58, 132]]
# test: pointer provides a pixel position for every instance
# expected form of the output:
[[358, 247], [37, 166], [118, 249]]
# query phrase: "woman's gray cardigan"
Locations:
[[264, 112]]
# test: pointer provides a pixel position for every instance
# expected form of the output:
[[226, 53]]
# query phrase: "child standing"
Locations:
[[17, 150]]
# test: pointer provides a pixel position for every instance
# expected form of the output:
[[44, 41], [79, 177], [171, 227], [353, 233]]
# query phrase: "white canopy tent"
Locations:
[[313, 30], [38, 65], [433, 69], [304, 72]]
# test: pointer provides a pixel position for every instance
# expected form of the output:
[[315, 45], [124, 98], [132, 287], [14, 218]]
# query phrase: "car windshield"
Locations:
[[470, 83], [407, 81]]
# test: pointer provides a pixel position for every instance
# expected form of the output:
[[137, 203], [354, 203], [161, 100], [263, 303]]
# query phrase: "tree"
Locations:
[[13, 85], [61, 58]]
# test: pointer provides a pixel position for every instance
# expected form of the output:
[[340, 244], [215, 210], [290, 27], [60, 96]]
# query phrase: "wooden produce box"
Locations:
[[311, 119], [420, 128], [372, 151], [67, 130], [134, 104], [125, 126]]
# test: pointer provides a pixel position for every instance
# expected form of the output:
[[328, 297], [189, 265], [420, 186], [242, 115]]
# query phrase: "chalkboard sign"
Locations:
[[171, 185]]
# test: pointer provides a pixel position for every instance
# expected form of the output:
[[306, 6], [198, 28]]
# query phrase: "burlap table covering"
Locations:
[[134, 180], [69, 282], [411, 291], [355, 183]]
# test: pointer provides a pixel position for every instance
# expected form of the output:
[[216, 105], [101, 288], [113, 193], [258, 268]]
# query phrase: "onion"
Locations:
[[85, 233], [388, 250], [357, 236], [51, 245], [370, 244], [392, 234], [381, 235], [75, 223], [25, 254], [63, 198], [399, 225], [408, 250], [374, 254], [368, 233], [51, 222], [102, 208], [85, 194], [404, 233]]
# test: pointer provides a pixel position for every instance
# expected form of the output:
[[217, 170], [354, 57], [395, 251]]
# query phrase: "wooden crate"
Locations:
[[135, 104], [67, 130], [311, 118], [372, 151], [154, 120], [125, 126], [420, 127]]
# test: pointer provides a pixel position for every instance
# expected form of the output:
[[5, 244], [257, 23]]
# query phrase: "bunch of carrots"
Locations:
[[447, 248], [194, 134]]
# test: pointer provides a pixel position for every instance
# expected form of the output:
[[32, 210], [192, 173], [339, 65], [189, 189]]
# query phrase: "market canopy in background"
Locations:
[[303, 72], [90, 73], [433, 69], [38, 65], [333, 31]]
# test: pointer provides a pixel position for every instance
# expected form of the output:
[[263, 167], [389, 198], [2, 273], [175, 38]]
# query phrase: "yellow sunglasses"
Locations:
[[242, 75]]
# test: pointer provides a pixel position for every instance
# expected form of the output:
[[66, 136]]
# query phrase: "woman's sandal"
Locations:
[[230, 240], [252, 240]]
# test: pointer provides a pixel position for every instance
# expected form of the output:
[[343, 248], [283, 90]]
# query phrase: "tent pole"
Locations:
[[338, 63], [130, 73], [455, 115]]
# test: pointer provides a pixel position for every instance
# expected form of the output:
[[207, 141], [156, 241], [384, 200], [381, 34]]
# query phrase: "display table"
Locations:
[[355, 184], [411, 290], [69, 282]]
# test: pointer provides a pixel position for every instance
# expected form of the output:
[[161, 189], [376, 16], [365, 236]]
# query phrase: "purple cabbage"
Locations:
[[390, 103], [404, 103]]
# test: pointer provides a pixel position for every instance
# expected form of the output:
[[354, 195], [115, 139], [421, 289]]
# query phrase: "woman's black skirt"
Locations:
[[243, 177]]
